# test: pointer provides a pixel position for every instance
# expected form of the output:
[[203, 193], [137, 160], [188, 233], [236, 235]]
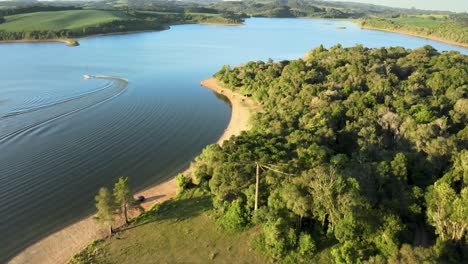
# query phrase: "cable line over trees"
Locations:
[[372, 142]]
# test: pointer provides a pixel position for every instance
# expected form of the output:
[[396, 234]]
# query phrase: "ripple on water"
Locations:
[[30, 119], [25, 119]]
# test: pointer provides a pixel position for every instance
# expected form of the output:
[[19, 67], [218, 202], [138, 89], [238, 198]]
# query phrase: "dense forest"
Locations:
[[453, 27], [361, 154]]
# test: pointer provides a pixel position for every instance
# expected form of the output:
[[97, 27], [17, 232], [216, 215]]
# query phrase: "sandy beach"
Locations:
[[60, 246]]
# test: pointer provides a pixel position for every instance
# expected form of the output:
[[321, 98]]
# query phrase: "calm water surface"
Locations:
[[62, 137]]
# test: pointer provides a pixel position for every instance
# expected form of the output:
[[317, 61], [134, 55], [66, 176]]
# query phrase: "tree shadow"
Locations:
[[175, 209], [153, 198]]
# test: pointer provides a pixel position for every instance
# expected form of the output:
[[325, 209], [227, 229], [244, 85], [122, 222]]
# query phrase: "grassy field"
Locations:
[[179, 230], [70, 19], [438, 28], [204, 14], [418, 21]]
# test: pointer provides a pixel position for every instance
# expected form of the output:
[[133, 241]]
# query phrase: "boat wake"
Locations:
[[19, 121]]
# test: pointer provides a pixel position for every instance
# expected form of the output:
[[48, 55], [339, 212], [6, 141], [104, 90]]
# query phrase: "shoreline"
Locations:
[[241, 109], [165, 27], [409, 33], [60, 246], [67, 41]]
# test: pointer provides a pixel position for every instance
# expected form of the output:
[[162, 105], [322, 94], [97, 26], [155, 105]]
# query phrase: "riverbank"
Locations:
[[60, 246], [74, 42], [241, 109], [68, 42], [164, 27], [409, 33]]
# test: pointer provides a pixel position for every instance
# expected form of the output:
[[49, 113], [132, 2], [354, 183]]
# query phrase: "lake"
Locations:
[[63, 137]]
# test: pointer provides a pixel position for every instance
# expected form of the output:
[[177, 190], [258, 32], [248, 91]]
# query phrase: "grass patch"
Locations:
[[57, 20], [203, 14], [418, 21], [179, 230]]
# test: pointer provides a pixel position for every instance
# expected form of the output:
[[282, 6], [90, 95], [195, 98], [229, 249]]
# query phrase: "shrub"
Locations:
[[183, 182], [277, 239], [235, 217]]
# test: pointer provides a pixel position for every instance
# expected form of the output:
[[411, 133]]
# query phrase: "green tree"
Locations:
[[278, 238], [447, 211], [413, 255], [349, 252], [106, 207], [399, 167], [387, 239], [235, 217], [333, 196], [124, 197], [306, 246], [182, 182], [297, 200]]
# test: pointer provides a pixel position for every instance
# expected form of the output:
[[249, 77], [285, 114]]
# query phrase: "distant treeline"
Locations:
[[187, 17], [110, 27], [454, 28], [289, 9], [140, 20], [282, 8], [35, 8]]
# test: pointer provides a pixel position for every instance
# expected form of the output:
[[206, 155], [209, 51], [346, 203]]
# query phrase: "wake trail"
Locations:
[[18, 122]]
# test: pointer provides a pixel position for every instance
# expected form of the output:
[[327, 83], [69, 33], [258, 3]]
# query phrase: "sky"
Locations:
[[450, 5]]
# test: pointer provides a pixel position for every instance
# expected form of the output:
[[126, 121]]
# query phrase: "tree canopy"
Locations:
[[373, 145], [124, 197], [106, 207]]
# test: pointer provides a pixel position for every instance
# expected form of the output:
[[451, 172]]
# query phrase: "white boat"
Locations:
[[87, 77]]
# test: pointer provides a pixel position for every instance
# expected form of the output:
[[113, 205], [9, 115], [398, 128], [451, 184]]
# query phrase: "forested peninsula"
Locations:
[[369, 154], [360, 155]]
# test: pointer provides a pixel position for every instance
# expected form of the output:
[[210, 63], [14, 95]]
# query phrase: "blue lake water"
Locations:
[[63, 137]]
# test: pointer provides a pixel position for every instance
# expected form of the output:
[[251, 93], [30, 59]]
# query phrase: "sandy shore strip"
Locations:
[[67, 41], [72, 41], [241, 109], [60, 246], [409, 33]]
